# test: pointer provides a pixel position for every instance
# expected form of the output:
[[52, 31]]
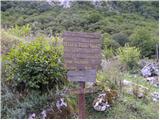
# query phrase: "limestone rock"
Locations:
[[61, 110], [100, 104], [155, 96], [127, 83], [150, 70], [32, 116], [46, 113], [60, 104], [153, 81], [104, 100]]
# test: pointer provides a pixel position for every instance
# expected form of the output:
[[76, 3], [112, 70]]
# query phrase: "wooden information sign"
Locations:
[[82, 56]]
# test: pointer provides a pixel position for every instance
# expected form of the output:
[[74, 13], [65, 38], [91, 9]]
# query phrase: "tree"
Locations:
[[143, 39]]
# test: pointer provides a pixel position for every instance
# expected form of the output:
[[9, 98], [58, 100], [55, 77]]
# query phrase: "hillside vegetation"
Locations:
[[33, 72]]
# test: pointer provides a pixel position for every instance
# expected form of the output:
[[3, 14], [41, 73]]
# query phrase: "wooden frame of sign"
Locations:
[[82, 57]]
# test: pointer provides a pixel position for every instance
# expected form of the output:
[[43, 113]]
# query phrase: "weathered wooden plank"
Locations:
[[87, 62], [80, 66], [81, 56], [81, 73], [79, 39], [82, 34], [82, 50], [85, 75], [81, 45]]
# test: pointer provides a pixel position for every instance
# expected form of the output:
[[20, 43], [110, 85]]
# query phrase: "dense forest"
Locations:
[[130, 31], [118, 21]]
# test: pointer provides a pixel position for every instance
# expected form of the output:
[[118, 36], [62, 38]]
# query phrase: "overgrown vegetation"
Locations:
[[32, 67], [36, 65], [129, 56], [20, 31], [8, 41], [135, 23], [125, 107]]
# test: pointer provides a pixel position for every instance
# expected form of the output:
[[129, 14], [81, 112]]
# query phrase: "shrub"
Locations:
[[109, 46], [15, 106], [94, 17], [129, 56], [20, 31], [37, 64], [8, 41], [144, 40], [108, 53], [121, 38]]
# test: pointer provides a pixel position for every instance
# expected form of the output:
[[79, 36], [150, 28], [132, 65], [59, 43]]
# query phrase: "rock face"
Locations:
[[149, 70], [32, 116], [100, 104], [104, 100], [61, 104], [155, 96], [153, 81], [60, 111]]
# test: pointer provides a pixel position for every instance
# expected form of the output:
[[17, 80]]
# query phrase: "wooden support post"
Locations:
[[81, 101]]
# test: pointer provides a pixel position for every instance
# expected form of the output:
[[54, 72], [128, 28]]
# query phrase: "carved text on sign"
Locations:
[[82, 51]]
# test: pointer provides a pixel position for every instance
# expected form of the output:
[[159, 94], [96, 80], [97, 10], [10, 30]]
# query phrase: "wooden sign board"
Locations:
[[82, 51], [84, 75], [82, 55]]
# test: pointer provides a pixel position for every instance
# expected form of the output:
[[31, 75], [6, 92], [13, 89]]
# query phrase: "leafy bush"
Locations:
[[108, 53], [129, 56], [94, 17], [144, 40], [16, 106], [37, 64], [8, 41], [20, 30], [121, 38], [109, 46], [108, 42]]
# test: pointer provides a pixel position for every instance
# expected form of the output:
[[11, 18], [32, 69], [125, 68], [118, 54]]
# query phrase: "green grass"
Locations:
[[126, 106], [138, 79]]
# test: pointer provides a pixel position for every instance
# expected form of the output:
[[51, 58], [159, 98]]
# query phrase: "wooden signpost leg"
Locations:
[[81, 101]]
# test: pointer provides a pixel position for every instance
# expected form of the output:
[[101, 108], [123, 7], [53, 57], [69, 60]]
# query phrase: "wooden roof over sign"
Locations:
[[82, 51]]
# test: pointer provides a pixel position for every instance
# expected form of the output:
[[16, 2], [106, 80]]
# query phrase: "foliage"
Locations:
[[109, 46], [37, 64], [129, 56], [104, 16], [19, 106], [93, 17], [125, 107], [108, 53], [121, 38], [8, 41], [20, 31], [144, 40], [116, 20], [110, 76]]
